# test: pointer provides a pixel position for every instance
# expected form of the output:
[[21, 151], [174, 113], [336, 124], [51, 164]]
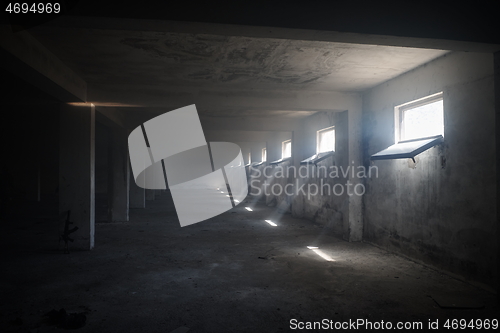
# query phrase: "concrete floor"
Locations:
[[233, 273]]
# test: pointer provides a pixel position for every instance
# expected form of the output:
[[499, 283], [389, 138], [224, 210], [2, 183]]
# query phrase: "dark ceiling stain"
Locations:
[[231, 60], [146, 44]]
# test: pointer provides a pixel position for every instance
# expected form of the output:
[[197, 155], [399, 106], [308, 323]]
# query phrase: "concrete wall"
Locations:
[[274, 144], [256, 150], [256, 179], [309, 194], [442, 210], [321, 203], [251, 148], [280, 177], [29, 153]]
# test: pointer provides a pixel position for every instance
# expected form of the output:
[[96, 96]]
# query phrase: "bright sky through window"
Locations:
[[423, 121], [326, 140], [287, 149]]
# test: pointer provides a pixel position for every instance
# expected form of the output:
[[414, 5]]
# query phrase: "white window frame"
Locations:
[[283, 144], [318, 136], [400, 109]]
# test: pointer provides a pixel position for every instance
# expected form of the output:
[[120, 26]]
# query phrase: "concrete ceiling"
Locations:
[[148, 68]]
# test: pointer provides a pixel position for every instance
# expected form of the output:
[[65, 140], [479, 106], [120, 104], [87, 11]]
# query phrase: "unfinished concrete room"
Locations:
[[249, 167]]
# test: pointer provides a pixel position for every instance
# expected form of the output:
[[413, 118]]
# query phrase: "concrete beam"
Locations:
[[248, 124], [239, 136], [218, 102], [110, 117], [23, 55], [272, 32]]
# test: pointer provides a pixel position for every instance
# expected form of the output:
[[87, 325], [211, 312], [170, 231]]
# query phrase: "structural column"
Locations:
[[154, 181], [77, 172], [118, 176], [297, 156], [150, 195], [353, 231], [137, 195]]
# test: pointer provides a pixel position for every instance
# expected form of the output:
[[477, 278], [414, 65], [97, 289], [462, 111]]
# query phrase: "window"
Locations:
[[264, 154], [286, 149], [407, 149], [419, 126], [286, 152], [325, 140], [420, 119]]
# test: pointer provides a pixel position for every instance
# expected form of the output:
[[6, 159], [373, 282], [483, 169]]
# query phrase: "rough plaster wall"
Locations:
[[324, 207], [441, 210], [255, 175], [275, 190], [256, 150], [350, 129], [256, 179], [253, 148], [274, 145]]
